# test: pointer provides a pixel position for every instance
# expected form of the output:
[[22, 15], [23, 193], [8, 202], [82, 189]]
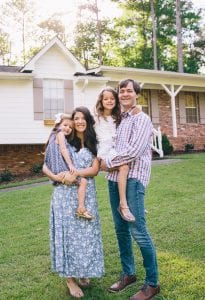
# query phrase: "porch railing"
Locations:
[[157, 141]]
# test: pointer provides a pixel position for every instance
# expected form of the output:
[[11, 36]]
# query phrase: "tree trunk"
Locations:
[[179, 38], [154, 35], [99, 35]]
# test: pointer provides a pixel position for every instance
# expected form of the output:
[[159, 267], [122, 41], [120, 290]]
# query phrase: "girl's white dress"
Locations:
[[106, 133]]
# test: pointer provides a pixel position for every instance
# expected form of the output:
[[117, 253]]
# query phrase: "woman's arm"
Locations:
[[87, 172], [91, 171], [59, 177]]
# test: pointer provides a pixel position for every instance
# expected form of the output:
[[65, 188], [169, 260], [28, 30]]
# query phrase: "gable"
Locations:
[[54, 64]]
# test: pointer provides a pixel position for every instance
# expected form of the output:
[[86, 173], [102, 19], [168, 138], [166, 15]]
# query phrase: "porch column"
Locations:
[[172, 93]]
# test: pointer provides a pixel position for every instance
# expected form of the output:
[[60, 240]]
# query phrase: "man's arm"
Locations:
[[142, 131]]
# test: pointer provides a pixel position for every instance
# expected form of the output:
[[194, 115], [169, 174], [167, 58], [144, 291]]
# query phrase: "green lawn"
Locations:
[[176, 203]]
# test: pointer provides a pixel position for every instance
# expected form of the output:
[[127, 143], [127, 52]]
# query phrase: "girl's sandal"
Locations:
[[74, 290], [129, 217], [84, 282], [84, 214]]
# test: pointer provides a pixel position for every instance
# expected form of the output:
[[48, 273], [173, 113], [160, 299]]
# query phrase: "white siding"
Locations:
[[53, 64], [17, 125]]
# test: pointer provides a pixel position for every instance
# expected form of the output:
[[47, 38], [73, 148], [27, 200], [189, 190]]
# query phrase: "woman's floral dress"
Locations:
[[75, 243]]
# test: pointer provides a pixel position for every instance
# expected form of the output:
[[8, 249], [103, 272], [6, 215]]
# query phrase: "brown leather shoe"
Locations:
[[147, 292], [124, 281]]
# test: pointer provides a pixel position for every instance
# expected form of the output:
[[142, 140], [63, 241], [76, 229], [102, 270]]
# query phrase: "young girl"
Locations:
[[108, 113], [57, 144]]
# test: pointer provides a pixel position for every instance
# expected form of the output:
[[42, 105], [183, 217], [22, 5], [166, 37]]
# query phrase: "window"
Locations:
[[144, 100], [53, 98], [191, 107]]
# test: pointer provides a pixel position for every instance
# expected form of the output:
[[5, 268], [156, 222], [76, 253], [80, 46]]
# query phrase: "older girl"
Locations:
[[108, 114]]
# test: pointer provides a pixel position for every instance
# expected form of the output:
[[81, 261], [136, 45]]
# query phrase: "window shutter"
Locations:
[[69, 99], [182, 110], [202, 107], [154, 107], [38, 98]]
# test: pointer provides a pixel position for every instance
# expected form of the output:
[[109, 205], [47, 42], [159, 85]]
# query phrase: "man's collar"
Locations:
[[128, 112]]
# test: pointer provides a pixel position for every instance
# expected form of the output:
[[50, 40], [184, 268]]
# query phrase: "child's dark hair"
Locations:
[[125, 82], [57, 124], [90, 140], [116, 111]]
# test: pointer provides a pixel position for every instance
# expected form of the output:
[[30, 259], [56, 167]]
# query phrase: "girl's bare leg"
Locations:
[[81, 210], [122, 181], [74, 289]]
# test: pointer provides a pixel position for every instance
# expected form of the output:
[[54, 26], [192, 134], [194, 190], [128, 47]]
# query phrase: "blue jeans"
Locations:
[[138, 230]]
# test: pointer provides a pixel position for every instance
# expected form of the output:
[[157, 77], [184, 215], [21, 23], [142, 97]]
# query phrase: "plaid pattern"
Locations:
[[133, 146]]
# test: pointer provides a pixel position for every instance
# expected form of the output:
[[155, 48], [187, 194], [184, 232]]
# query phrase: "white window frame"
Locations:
[[53, 98]]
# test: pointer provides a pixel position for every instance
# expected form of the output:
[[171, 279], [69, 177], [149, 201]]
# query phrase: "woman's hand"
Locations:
[[60, 177], [69, 178]]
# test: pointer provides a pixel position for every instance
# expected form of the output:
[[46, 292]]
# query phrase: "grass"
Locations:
[[175, 200], [24, 182]]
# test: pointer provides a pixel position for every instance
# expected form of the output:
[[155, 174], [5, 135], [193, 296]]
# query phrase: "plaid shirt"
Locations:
[[133, 146]]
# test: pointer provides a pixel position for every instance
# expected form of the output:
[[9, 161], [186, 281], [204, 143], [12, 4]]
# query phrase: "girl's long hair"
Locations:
[[116, 111], [56, 126], [90, 140]]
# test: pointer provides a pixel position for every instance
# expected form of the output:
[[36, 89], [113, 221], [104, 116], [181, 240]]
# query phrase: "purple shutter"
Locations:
[[202, 107], [69, 99], [38, 98]]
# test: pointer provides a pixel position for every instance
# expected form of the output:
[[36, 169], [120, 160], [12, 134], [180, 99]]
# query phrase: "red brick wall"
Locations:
[[19, 159], [186, 133]]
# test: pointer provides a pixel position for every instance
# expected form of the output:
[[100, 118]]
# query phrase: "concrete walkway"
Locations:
[[22, 187]]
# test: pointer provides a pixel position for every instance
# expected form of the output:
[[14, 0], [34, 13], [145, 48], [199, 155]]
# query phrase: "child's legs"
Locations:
[[81, 192], [122, 183]]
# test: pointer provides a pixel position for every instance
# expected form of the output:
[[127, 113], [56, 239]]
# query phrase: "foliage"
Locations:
[[36, 168], [4, 47], [166, 146], [124, 41], [6, 175], [178, 233], [189, 147], [51, 27]]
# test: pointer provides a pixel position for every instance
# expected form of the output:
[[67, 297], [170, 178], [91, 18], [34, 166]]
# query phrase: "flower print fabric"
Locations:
[[76, 243]]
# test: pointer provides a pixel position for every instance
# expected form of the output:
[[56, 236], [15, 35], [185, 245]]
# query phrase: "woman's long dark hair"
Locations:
[[90, 139]]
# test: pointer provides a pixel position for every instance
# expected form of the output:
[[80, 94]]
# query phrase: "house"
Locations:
[[54, 81]]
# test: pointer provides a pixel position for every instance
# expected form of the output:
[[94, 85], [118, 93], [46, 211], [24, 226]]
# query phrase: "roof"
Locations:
[[12, 69]]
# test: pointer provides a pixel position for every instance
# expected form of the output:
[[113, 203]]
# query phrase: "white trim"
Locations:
[[172, 93], [12, 75], [55, 41]]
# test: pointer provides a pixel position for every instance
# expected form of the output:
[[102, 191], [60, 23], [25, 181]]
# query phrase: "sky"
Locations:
[[69, 7]]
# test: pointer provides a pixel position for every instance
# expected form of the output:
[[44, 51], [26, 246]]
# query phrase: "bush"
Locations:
[[6, 175], [166, 146], [189, 147], [36, 168]]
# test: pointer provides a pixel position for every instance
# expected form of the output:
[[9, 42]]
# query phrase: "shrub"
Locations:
[[166, 146], [36, 168], [6, 175], [189, 147]]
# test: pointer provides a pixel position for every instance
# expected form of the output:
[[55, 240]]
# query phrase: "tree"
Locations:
[[51, 27], [4, 47], [137, 30], [19, 13], [179, 37], [154, 34]]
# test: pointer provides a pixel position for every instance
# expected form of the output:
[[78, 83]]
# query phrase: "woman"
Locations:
[[76, 244]]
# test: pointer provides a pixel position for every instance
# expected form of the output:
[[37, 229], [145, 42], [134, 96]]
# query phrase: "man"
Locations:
[[133, 139]]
